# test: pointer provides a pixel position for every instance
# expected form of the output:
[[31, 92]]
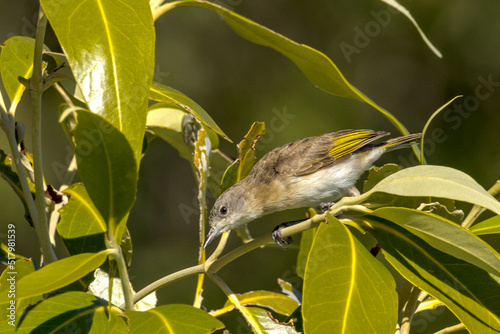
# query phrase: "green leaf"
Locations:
[[166, 122], [173, 319], [267, 324], [242, 166], [81, 227], [246, 149], [428, 123], [344, 283], [445, 236], [277, 302], [468, 291], [162, 93], [73, 312], [306, 241], [10, 276], [109, 46], [489, 226], [57, 275], [67, 119], [12, 179], [16, 60], [316, 66], [436, 181], [107, 167], [406, 13]]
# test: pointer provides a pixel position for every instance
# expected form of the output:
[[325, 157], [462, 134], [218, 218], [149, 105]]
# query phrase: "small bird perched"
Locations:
[[304, 173]]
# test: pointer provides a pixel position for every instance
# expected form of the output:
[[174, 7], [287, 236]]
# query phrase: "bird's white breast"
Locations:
[[328, 184]]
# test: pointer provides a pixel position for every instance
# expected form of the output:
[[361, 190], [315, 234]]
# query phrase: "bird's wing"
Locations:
[[308, 155]]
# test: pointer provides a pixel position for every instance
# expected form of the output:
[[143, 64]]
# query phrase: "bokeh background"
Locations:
[[238, 83]]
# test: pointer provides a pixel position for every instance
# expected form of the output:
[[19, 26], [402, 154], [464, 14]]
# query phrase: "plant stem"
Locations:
[[236, 302], [452, 329], [123, 271], [409, 310], [477, 210], [198, 269], [36, 83]]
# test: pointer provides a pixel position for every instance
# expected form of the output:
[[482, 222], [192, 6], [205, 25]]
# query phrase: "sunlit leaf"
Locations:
[[162, 93], [468, 291], [57, 275], [106, 166], [305, 247], [445, 236], [109, 46], [16, 60], [11, 311], [344, 283], [172, 318], [81, 227], [316, 66], [277, 302], [489, 226], [436, 181], [74, 312], [267, 324], [246, 157]]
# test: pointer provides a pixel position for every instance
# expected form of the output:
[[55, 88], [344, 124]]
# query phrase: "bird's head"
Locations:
[[233, 209]]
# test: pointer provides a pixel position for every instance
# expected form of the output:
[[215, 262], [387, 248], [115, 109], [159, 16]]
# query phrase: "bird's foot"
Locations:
[[276, 234], [324, 207]]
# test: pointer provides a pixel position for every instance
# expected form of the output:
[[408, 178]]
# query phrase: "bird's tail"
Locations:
[[401, 142]]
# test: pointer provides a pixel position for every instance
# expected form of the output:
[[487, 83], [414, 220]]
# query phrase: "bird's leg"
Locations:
[[351, 192], [277, 233]]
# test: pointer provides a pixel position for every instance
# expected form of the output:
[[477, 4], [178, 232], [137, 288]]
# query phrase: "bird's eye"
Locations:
[[223, 210]]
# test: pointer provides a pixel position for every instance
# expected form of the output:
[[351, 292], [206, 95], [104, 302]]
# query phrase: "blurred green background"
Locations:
[[238, 83]]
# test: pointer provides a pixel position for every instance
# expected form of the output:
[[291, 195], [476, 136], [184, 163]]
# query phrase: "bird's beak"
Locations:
[[214, 232]]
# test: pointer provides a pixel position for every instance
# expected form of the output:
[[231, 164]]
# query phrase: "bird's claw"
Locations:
[[324, 207], [282, 242]]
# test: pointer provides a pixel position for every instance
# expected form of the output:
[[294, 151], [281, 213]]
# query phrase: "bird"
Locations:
[[304, 173]]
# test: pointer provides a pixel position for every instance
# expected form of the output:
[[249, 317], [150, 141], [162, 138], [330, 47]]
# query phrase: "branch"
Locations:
[[214, 264], [36, 85]]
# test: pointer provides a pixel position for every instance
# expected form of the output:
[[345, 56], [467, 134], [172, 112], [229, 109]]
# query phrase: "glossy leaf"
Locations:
[[109, 46], [436, 181], [107, 167], [81, 227], [306, 241], [277, 302], [10, 276], [168, 123], [344, 283], [73, 312], [445, 236], [57, 274], [489, 226], [12, 179], [464, 288], [267, 324], [316, 66], [16, 60], [246, 157], [162, 93], [172, 319]]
